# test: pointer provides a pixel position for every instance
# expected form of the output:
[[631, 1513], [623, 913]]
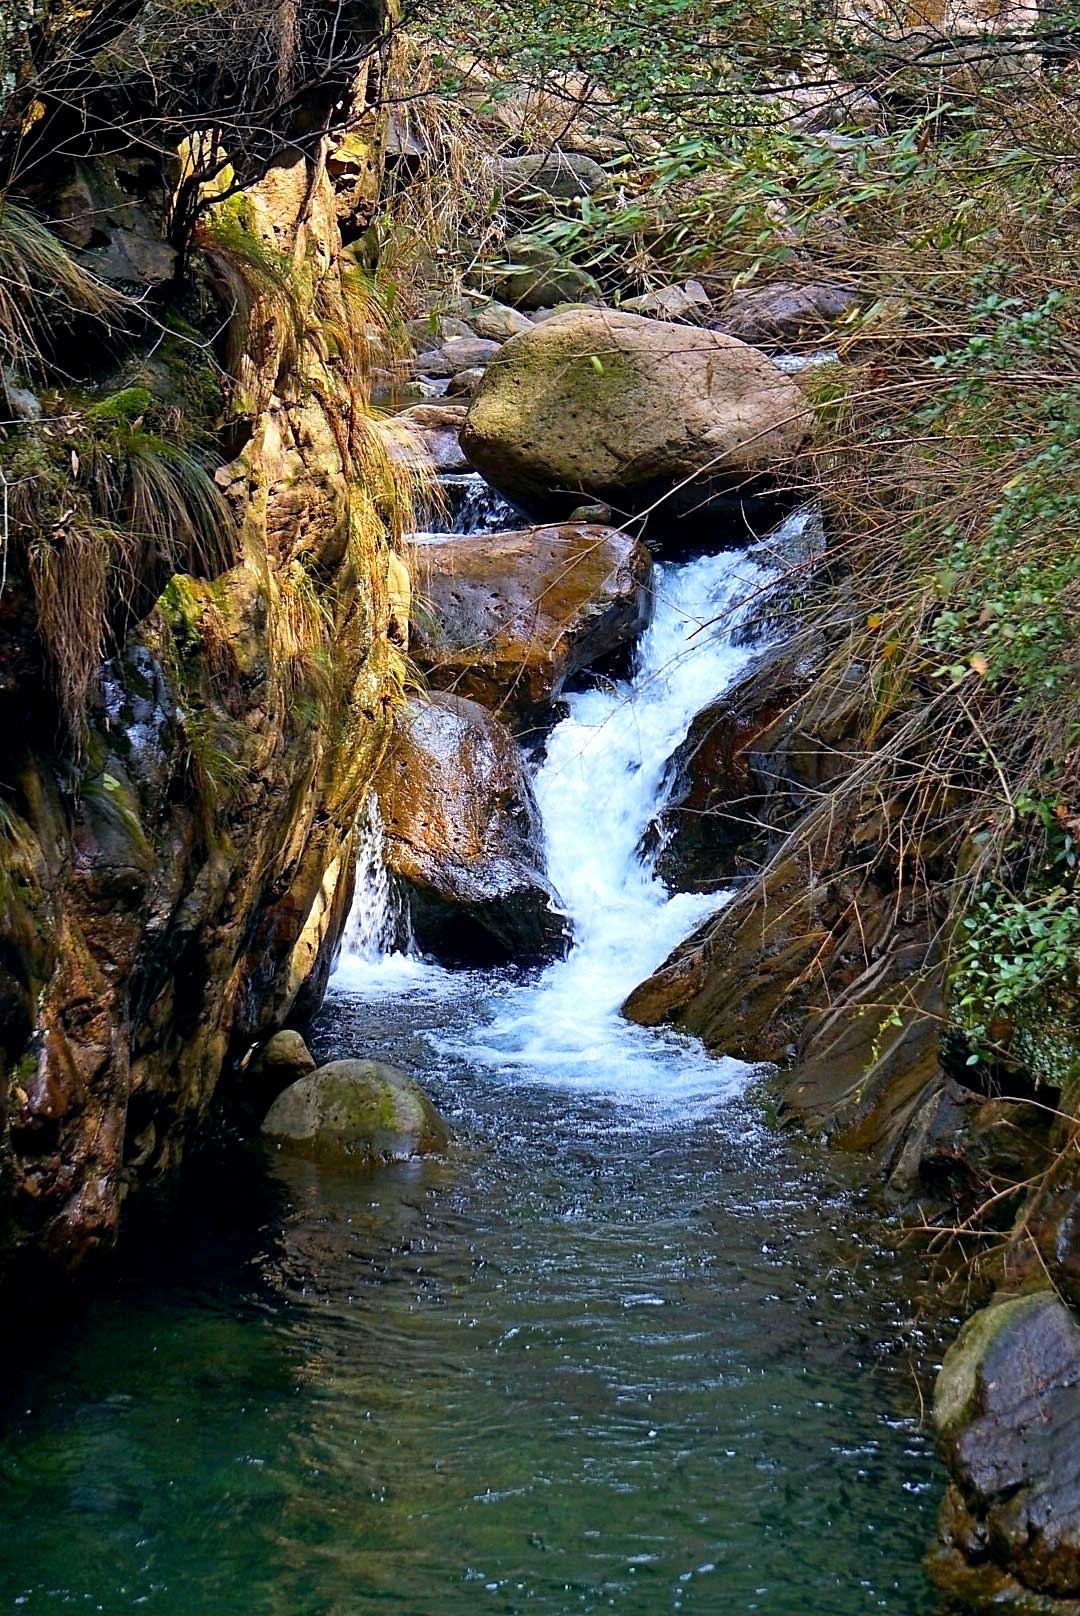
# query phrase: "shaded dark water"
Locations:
[[598, 1361]]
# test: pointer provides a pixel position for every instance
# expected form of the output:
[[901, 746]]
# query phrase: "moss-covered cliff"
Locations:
[[197, 672]]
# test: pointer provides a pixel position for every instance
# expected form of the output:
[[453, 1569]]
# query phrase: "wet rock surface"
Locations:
[[593, 403], [781, 973], [463, 835], [722, 790], [1007, 1413], [363, 1110], [507, 618]]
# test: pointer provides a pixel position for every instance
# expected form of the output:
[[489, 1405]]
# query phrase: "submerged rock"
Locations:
[[1007, 1412], [463, 834], [361, 1109], [508, 618], [616, 406]]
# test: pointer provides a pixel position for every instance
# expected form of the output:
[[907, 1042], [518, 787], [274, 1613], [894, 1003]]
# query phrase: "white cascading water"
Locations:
[[378, 921], [599, 787]]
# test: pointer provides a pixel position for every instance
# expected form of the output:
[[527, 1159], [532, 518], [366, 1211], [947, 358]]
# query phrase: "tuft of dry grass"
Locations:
[[42, 288]]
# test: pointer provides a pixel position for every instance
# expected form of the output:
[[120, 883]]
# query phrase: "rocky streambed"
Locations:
[[570, 1326]]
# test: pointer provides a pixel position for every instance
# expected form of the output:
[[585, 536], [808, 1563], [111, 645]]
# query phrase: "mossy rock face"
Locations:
[[1007, 1409], [360, 1109], [621, 408], [971, 1369], [535, 277]]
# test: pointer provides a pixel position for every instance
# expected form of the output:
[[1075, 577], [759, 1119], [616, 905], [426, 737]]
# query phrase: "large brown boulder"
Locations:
[[616, 406], [463, 834], [508, 618]]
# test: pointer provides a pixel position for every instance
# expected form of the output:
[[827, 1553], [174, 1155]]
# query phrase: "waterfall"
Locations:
[[473, 506], [599, 786], [378, 923]]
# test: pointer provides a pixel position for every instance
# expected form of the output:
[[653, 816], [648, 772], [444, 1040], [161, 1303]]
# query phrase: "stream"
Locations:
[[629, 1348]]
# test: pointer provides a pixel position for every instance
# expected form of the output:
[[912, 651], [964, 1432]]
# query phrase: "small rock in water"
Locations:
[[281, 1060], [361, 1109], [465, 383]]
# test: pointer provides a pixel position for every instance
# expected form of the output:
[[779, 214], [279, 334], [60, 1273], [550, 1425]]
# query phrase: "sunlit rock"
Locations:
[[360, 1109], [623, 408], [463, 834], [507, 618]]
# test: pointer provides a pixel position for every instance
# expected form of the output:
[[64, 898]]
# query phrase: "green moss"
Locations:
[[126, 407], [182, 603], [956, 1393]]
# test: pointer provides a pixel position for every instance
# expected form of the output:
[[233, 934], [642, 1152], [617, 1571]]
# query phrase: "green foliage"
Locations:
[[101, 508], [1016, 977]]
